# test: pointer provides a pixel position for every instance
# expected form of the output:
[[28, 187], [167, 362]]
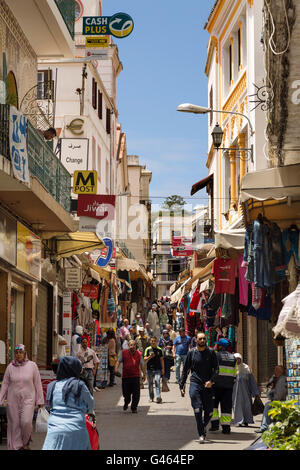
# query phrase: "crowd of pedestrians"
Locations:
[[221, 384]]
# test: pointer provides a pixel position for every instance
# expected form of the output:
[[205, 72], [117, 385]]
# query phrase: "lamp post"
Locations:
[[217, 136]]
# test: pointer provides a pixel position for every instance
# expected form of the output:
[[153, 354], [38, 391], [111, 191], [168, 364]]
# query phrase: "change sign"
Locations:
[[119, 25]]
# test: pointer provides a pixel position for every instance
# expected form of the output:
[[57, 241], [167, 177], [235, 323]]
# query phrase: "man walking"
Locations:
[[89, 362], [203, 364], [223, 387], [181, 345], [155, 368], [133, 362], [142, 343]]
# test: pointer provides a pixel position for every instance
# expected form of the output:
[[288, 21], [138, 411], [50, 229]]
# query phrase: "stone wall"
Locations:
[[20, 57]]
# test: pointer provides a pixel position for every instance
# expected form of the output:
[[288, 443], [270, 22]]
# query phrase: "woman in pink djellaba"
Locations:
[[22, 388]]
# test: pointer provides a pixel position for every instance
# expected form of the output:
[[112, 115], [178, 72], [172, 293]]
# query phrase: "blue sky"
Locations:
[[163, 65]]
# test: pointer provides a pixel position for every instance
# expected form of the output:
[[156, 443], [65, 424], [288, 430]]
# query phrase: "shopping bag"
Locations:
[[257, 406], [92, 431], [41, 424], [165, 387]]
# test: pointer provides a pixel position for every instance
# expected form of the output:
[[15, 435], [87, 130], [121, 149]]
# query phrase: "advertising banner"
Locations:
[[18, 145], [182, 246], [28, 252], [98, 206], [90, 290], [8, 238]]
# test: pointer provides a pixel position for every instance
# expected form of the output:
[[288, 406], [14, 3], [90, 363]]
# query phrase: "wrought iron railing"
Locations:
[[67, 11], [42, 162], [48, 169]]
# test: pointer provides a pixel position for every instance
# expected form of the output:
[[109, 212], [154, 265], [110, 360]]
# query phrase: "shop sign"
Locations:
[[106, 254], [98, 207], [98, 42], [85, 182], [74, 154], [8, 238], [73, 278], [29, 246], [96, 54], [67, 320], [76, 126], [90, 290], [182, 246], [18, 145], [119, 25]]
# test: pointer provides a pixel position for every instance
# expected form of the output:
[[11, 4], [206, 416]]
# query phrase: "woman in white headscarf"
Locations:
[[154, 321], [244, 389]]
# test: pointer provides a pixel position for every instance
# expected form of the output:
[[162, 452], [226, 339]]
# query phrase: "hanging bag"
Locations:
[[41, 424], [257, 406]]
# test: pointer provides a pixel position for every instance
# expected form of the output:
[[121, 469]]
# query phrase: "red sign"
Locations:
[[90, 290], [97, 206], [182, 246]]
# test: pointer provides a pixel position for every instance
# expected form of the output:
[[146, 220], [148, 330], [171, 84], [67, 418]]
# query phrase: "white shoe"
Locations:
[[97, 389], [201, 439]]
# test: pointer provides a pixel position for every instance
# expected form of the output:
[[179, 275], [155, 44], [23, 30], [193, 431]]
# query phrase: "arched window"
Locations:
[[12, 90]]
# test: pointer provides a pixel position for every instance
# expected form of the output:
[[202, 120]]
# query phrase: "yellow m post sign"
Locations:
[[85, 182]]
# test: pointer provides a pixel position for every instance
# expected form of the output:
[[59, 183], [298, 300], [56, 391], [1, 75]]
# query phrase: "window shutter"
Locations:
[[94, 94], [100, 107], [108, 120]]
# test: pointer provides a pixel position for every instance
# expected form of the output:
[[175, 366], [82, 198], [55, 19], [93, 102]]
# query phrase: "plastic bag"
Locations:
[[257, 406], [41, 424], [93, 432]]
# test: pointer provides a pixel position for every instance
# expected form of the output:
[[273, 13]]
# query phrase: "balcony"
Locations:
[[47, 24], [48, 200], [67, 11]]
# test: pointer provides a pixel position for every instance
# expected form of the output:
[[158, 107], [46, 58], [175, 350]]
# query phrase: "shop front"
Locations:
[[20, 272], [271, 211]]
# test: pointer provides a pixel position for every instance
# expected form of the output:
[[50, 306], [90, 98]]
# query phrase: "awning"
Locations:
[[179, 292], [74, 243], [201, 274], [173, 288], [230, 239], [202, 184], [103, 273], [127, 264], [273, 183]]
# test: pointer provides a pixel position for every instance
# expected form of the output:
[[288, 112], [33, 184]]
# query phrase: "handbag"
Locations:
[[112, 359], [41, 424], [165, 387], [257, 406]]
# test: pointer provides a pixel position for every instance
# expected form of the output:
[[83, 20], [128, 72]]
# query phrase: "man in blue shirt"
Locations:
[[181, 346]]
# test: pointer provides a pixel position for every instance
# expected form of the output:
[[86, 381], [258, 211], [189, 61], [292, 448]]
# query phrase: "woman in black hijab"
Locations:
[[69, 401]]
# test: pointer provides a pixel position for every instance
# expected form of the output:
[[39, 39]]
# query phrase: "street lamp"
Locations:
[[193, 108], [217, 133]]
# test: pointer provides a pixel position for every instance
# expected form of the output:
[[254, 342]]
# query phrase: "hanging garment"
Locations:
[[262, 251], [224, 272], [290, 238], [195, 299], [277, 258], [243, 283], [288, 323]]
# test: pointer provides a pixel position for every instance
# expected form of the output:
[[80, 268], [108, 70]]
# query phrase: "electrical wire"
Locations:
[[272, 44]]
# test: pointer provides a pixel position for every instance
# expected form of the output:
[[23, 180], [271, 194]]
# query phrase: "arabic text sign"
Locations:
[[74, 154], [119, 25], [18, 145], [98, 206]]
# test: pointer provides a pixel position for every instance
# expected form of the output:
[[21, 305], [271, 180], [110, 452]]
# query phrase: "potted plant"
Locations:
[[284, 432]]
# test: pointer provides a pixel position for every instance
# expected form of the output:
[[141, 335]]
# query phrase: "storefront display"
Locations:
[[292, 351]]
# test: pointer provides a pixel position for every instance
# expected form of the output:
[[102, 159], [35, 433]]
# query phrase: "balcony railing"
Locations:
[[67, 11], [42, 162]]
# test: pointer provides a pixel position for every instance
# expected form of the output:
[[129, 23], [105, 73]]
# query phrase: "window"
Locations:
[[230, 64], [12, 90], [107, 176], [108, 127], [17, 317], [100, 105], [94, 93], [99, 163], [93, 153], [211, 105], [239, 49], [45, 88]]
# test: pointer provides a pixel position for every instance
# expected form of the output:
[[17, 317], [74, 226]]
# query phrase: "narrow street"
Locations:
[[166, 426]]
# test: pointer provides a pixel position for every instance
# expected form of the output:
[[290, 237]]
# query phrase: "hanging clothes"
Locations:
[[224, 272], [243, 283], [290, 238]]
